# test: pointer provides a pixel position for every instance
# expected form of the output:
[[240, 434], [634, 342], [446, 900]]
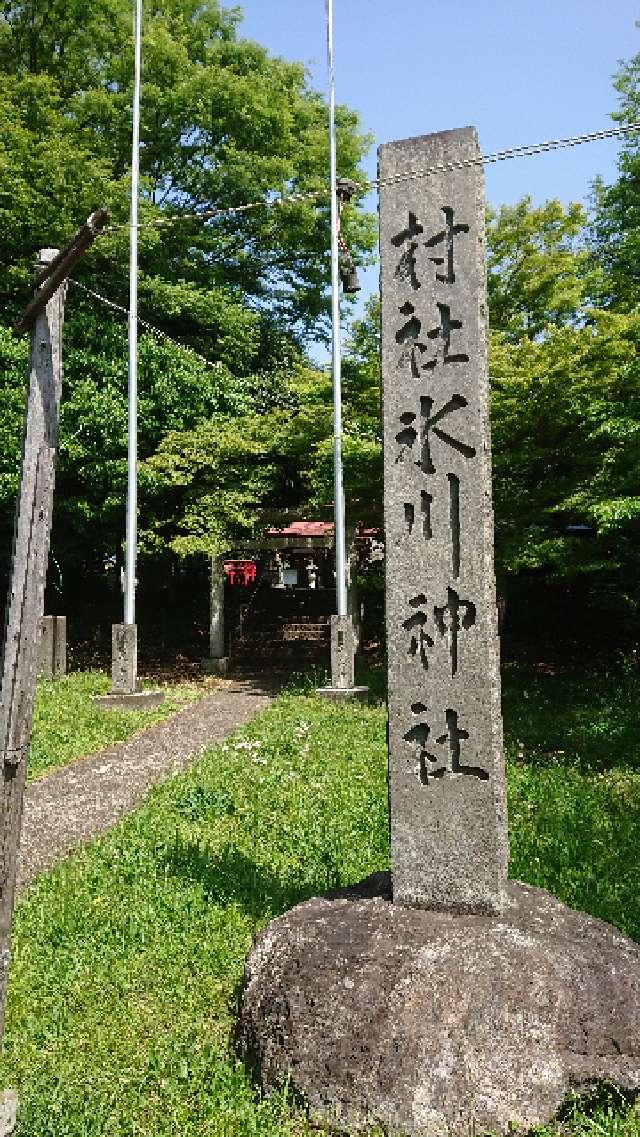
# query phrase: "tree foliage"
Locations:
[[565, 384], [240, 428], [566, 441], [564, 296], [223, 124], [537, 271], [229, 476], [616, 223]]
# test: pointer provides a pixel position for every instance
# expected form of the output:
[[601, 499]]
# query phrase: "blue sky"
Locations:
[[519, 70]]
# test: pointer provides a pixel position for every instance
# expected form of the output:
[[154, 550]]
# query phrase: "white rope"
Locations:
[[223, 211], [514, 152], [145, 324], [525, 151]]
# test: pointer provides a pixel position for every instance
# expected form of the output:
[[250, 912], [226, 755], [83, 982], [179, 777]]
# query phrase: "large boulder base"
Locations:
[[430, 1023]]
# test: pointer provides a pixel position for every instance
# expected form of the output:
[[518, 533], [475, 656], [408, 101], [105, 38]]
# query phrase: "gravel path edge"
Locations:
[[76, 803]]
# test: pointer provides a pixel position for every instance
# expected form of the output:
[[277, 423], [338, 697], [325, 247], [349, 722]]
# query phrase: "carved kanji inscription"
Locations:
[[440, 756], [416, 430], [446, 776]]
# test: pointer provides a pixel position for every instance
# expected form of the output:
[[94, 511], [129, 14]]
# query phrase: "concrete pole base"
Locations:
[[129, 700], [218, 665], [343, 687], [124, 694], [344, 694], [342, 652]]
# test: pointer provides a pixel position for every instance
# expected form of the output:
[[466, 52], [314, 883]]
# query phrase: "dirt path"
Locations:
[[74, 804]]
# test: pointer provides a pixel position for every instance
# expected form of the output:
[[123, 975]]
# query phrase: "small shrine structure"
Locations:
[[276, 593]]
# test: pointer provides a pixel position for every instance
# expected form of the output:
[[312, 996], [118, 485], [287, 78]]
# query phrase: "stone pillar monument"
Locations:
[[404, 1003], [446, 775]]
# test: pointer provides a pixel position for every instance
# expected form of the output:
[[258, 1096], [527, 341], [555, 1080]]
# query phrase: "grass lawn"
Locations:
[[67, 725], [573, 752], [128, 957]]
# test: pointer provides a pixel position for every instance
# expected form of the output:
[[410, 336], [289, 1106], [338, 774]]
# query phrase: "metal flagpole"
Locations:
[[341, 574], [132, 447]]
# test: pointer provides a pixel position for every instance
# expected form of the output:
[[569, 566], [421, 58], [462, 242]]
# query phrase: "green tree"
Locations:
[[176, 391], [223, 124], [362, 427], [566, 445], [565, 403], [229, 476], [616, 227], [539, 272]]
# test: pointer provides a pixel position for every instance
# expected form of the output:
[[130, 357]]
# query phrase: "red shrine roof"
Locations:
[[303, 529]]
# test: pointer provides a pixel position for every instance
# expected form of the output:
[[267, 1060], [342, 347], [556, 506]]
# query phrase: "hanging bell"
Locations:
[[348, 275], [346, 189], [350, 282]]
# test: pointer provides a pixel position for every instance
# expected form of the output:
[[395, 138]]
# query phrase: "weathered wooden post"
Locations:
[[26, 598], [25, 605]]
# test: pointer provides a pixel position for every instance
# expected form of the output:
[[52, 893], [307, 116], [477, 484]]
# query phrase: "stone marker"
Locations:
[[447, 791], [52, 655], [8, 1112], [441, 1000]]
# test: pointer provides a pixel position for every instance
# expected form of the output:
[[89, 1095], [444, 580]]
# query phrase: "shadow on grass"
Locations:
[[602, 1098], [370, 672], [581, 720], [233, 878]]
